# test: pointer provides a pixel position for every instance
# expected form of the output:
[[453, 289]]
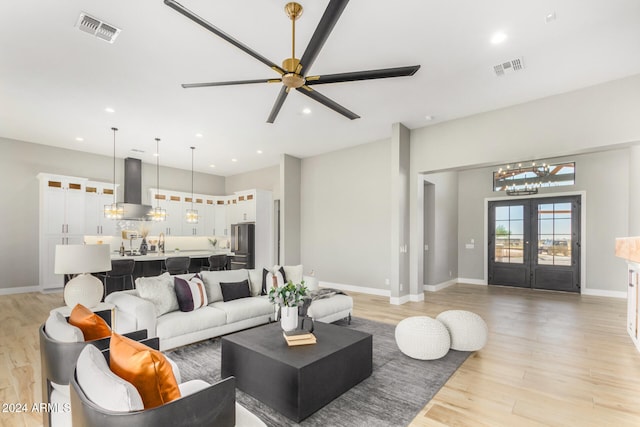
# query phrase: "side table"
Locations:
[[104, 309]]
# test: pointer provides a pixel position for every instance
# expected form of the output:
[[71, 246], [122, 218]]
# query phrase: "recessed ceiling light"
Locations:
[[259, 151], [198, 135], [498, 37], [428, 118], [234, 160], [109, 110], [79, 139], [212, 166], [306, 110], [550, 17]]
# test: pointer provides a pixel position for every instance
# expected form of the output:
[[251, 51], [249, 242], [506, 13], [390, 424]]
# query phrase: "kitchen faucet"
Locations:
[[161, 243]]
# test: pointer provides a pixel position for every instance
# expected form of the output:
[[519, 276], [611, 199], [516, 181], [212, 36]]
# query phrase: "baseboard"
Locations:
[[19, 290], [439, 286], [417, 297], [399, 300], [353, 288], [472, 281], [604, 293]]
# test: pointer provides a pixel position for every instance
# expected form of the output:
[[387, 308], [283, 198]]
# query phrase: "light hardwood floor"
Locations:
[[552, 358]]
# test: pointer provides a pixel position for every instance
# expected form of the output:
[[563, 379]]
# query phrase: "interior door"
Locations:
[[535, 243]]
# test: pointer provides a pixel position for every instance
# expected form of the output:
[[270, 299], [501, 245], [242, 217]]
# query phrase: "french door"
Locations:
[[535, 243]]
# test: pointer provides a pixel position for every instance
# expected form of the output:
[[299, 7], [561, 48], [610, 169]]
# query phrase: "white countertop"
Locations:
[[160, 257]]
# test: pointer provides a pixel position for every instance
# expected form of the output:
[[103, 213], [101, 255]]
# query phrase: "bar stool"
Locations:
[[120, 269], [217, 262], [177, 264]]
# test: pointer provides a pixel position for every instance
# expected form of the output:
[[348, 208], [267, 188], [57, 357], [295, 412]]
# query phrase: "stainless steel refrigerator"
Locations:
[[242, 245]]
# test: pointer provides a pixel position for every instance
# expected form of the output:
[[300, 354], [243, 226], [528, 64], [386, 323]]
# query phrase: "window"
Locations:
[[554, 234], [509, 234], [530, 178]]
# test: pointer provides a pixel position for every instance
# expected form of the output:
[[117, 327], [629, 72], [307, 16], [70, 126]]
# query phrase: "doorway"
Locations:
[[535, 243]]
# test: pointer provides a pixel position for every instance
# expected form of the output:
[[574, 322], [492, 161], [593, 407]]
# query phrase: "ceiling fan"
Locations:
[[293, 73]]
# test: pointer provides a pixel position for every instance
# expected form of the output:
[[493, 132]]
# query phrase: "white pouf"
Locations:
[[423, 338], [467, 330]]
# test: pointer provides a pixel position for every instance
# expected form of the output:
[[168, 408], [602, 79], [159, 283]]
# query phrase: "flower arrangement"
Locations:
[[289, 295]]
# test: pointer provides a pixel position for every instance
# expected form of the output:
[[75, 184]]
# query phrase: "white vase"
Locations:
[[289, 318]]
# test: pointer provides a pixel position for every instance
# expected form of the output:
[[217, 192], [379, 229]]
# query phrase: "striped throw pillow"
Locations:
[[191, 293]]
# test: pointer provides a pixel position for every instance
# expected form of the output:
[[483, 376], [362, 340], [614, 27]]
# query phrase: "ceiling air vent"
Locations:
[[98, 28], [509, 67]]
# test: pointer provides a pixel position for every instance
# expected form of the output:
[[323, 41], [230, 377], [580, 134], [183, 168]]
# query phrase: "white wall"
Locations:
[[588, 120], [605, 179], [290, 200], [20, 162], [441, 222], [264, 179], [346, 215]]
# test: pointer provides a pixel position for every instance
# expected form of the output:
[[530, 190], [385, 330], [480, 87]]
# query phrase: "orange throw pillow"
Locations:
[[93, 327], [147, 369]]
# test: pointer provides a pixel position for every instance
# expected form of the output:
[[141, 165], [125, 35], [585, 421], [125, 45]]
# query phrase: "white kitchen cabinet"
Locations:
[[97, 195], [172, 202], [246, 206], [232, 211], [197, 228], [62, 221], [633, 306], [221, 228], [209, 217]]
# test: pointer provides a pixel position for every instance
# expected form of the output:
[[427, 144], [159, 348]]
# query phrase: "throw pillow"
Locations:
[[58, 329], [212, 281], [103, 387], [147, 369], [272, 278], [235, 290], [191, 293], [294, 273], [160, 291], [93, 327], [255, 282]]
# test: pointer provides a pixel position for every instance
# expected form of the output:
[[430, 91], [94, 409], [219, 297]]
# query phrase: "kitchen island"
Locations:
[[152, 263]]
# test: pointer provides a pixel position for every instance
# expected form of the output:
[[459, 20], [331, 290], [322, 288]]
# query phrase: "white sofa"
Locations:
[[177, 328]]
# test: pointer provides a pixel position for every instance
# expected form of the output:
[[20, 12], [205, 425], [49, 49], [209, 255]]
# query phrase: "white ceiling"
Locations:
[[55, 81]]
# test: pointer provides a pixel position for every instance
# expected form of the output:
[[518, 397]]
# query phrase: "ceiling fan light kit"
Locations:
[[293, 73]]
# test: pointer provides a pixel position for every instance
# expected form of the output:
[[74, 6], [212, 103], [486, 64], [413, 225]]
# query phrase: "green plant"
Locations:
[[213, 242], [288, 295]]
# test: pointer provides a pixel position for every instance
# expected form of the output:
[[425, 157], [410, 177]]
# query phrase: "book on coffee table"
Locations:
[[299, 339]]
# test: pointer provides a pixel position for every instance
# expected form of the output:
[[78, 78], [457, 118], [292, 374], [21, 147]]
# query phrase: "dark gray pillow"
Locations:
[[235, 290]]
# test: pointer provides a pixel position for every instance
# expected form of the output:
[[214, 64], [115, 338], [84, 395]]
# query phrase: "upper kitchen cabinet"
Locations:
[[245, 206], [221, 228], [62, 203], [172, 202], [97, 195], [195, 202]]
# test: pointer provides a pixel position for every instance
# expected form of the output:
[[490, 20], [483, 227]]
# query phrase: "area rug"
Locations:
[[396, 391]]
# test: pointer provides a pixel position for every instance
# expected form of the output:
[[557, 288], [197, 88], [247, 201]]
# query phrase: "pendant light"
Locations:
[[113, 211], [158, 214], [192, 214]]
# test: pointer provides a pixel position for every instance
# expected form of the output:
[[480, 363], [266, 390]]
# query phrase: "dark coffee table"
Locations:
[[297, 381]]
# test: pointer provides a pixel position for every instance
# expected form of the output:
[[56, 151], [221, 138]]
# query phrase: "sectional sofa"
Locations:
[[153, 306]]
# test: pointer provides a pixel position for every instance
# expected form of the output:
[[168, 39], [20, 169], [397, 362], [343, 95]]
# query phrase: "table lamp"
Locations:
[[82, 260]]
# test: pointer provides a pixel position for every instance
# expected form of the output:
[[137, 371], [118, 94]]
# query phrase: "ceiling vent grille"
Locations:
[[98, 28], [509, 67]]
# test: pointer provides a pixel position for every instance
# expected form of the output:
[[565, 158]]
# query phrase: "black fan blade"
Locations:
[[383, 73], [230, 83], [313, 94], [278, 104], [324, 28], [218, 32]]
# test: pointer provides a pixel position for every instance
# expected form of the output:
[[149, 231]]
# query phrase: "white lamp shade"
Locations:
[[75, 259]]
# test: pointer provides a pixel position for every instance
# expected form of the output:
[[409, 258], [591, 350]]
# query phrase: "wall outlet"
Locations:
[[450, 273], [401, 287], [426, 247], [386, 282]]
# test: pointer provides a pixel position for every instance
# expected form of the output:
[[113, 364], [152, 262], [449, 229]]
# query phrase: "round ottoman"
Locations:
[[467, 330], [423, 338]]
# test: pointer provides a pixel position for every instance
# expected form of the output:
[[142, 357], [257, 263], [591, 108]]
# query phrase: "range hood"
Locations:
[[132, 206]]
